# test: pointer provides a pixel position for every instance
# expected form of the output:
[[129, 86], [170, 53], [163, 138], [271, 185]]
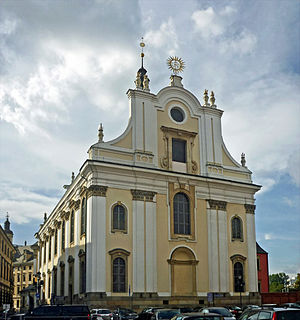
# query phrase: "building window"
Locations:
[[55, 281], [83, 217], [82, 276], [238, 277], [24, 277], [119, 270], [45, 252], [181, 207], [55, 242], [63, 235], [259, 286], [237, 230], [72, 227], [177, 114], [62, 280], [258, 263], [119, 275], [179, 150], [49, 248], [29, 277], [119, 218]]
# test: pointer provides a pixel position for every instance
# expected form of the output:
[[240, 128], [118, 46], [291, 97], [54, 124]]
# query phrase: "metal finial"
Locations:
[[243, 159], [100, 133], [45, 217], [175, 64], [205, 97], [212, 99], [142, 45], [7, 215], [73, 176]]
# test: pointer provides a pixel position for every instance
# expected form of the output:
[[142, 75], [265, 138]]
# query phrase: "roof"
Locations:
[[259, 249]]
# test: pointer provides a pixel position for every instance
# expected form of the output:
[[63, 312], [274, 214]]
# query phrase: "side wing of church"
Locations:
[[160, 215]]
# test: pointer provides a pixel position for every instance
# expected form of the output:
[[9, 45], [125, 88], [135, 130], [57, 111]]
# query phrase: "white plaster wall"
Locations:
[[67, 245], [151, 130], [96, 244], [208, 138], [251, 239], [76, 251], [138, 246], [151, 267], [217, 139], [223, 251], [213, 257]]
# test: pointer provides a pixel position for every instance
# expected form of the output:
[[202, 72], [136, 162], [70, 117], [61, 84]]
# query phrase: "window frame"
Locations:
[[190, 194], [183, 215], [72, 227], [234, 233], [123, 254], [83, 213], [113, 229]]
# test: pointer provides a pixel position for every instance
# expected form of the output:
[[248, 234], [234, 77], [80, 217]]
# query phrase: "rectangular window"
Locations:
[[179, 150]]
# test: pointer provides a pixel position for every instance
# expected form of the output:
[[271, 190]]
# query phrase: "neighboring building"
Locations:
[[7, 252], [262, 269], [24, 269], [162, 214]]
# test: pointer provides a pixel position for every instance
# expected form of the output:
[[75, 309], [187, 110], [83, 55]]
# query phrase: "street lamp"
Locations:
[[241, 284], [37, 295]]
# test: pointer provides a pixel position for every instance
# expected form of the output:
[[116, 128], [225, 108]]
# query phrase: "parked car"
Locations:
[[271, 313], [125, 314], [20, 316], [198, 316], [65, 312], [235, 310], [290, 305], [250, 306], [147, 313], [99, 314], [185, 309], [164, 314], [219, 310]]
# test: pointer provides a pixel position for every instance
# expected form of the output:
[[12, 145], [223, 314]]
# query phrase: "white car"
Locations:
[[101, 314], [219, 310]]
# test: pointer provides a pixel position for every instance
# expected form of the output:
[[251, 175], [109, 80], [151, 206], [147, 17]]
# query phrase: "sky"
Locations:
[[65, 67]]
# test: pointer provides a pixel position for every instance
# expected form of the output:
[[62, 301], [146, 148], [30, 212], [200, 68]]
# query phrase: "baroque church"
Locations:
[[161, 215]]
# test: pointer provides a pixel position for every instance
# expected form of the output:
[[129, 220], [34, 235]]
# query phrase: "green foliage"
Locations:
[[278, 281], [297, 283]]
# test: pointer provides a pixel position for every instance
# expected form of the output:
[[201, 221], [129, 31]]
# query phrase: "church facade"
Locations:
[[160, 215]]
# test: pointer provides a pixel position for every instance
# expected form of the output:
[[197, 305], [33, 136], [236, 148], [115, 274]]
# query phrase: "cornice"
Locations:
[[95, 190], [250, 208], [142, 195], [217, 204]]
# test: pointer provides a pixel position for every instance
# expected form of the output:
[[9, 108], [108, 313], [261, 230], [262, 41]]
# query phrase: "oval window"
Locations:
[[177, 114]]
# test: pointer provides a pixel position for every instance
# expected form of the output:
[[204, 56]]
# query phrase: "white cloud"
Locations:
[[30, 204], [165, 36], [208, 23]]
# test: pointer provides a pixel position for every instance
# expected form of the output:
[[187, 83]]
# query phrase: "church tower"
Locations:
[[7, 230]]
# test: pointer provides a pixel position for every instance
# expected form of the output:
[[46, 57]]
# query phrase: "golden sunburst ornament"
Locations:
[[175, 64]]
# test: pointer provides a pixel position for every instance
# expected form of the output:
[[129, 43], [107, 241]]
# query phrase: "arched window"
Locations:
[[72, 227], [83, 217], [119, 218], [182, 220], [55, 242], [82, 276], [49, 248], [237, 230], [239, 283], [119, 275], [63, 235]]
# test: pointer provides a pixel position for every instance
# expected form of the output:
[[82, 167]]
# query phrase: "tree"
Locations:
[[278, 281], [297, 282]]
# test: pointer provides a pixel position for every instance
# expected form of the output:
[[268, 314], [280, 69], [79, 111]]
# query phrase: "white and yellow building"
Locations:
[[160, 215]]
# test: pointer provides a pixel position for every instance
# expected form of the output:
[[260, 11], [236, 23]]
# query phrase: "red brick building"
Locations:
[[262, 269]]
